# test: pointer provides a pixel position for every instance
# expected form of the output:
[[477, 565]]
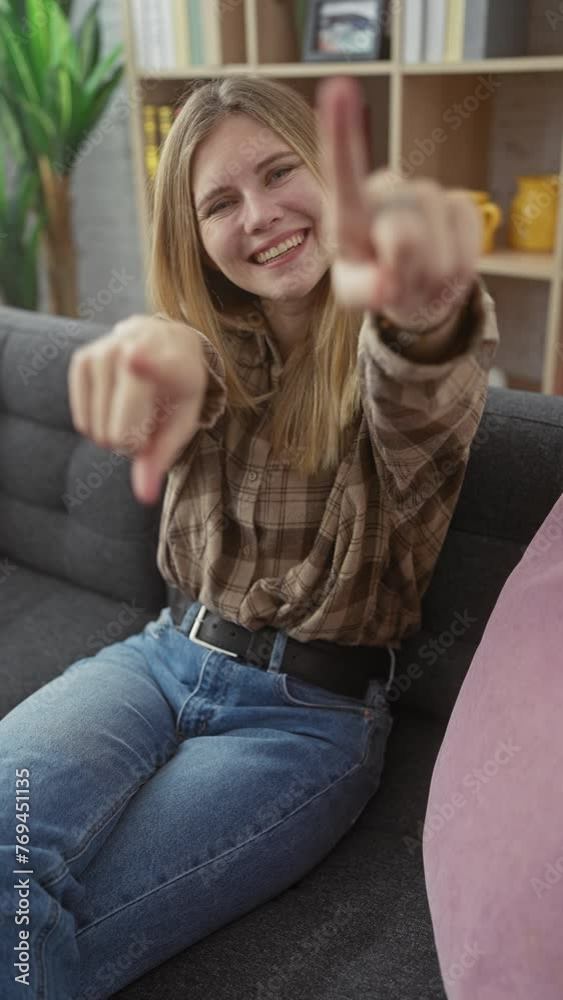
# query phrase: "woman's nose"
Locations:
[[259, 212]]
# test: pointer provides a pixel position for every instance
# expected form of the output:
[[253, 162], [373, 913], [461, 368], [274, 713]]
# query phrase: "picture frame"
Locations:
[[342, 30]]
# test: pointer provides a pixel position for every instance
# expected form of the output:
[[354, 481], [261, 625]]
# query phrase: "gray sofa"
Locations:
[[75, 575]]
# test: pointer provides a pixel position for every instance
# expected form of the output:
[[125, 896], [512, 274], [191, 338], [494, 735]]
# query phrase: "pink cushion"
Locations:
[[493, 831]]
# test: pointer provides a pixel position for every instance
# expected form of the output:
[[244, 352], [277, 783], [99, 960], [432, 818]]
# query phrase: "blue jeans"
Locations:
[[167, 789]]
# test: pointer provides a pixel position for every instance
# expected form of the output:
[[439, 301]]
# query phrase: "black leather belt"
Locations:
[[345, 670]]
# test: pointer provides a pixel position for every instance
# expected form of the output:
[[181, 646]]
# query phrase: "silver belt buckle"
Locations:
[[195, 628]]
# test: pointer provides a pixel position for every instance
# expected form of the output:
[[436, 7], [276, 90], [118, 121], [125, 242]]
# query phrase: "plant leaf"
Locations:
[[16, 66], [19, 257], [3, 185], [97, 77], [31, 260], [39, 125], [24, 201], [14, 11], [36, 40], [25, 131], [88, 41], [65, 147], [11, 131], [63, 98], [66, 7], [30, 268], [70, 58], [61, 40], [99, 101]]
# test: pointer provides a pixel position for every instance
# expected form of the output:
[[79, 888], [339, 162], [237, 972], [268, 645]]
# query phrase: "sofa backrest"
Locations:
[[66, 506], [513, 479], [67, 510]]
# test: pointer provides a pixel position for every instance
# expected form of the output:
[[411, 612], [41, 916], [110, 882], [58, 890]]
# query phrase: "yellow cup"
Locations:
[[491, 214], [533, 213]]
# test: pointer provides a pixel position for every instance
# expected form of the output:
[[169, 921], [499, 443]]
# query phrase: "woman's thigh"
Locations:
[[222, 828], [267, 779]]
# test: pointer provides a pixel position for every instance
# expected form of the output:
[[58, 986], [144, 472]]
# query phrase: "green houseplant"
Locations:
[[18, 245], [53, 89]]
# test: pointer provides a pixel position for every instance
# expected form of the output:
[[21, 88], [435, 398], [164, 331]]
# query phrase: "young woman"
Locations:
[[322, 347]]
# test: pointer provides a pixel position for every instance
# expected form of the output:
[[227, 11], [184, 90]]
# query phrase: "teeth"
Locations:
[[294, 241]]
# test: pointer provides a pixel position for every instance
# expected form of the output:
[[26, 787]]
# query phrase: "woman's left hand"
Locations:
[[406, 249]]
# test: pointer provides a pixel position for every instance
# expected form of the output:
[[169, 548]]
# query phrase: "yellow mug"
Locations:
[[491, 214], [533, 213]]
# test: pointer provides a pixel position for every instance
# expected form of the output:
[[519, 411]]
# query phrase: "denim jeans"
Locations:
[[167, 789]]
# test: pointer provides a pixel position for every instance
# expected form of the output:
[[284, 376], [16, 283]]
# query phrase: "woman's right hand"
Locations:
[[140, 389]]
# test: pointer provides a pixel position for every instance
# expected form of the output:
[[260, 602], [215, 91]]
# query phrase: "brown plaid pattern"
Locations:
[[344, 556]]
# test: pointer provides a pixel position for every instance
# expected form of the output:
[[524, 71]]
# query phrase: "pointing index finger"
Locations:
[[345, 156]]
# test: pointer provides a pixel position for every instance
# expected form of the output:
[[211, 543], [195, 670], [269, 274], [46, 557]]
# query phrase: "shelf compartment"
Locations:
[[518, 264], [277, 33], [437, 141]]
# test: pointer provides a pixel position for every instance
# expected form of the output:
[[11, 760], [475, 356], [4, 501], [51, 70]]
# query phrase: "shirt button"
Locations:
[[253, 476], [246, 550]]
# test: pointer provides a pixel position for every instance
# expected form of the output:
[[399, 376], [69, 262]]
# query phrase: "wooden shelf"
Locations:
[[523, 64], [192, 72], [380, 67], [300, 69], [517, 264]]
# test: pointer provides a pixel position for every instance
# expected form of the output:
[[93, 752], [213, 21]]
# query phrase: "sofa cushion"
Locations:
[[47, 623], [67, 508], [513, 478], [494, 867]]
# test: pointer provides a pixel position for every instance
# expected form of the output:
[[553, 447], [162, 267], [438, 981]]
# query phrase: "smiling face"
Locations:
[[260, 204]]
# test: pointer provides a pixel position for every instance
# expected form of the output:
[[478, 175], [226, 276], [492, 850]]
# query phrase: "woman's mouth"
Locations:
[[286, 255]]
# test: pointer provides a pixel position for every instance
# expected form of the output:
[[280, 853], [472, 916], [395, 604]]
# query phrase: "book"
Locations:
[[165, 120], [153, 30], [300, 15], [495, 28], [152, 138], [139, 34], [453, 51], [414, 30], [435, 30], [385, 38], [158, 119], [197, 45], [212, 35], [181, 34]]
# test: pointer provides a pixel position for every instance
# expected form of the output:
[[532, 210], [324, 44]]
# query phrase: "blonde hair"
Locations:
[[318, 394]]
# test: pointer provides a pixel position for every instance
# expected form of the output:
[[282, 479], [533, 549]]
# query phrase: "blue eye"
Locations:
[[282, 169], [217, 207]]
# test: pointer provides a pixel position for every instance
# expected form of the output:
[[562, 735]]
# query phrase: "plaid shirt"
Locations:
[[344, 556]]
